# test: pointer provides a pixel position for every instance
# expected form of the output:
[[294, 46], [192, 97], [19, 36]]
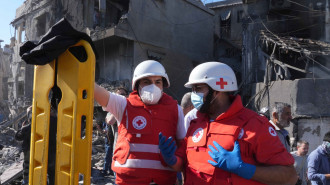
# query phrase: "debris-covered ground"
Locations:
[[12, 155]]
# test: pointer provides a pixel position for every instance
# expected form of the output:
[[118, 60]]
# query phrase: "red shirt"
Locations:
[[258, 141]]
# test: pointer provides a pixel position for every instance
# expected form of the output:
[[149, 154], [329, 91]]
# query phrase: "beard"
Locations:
[[283, 123], [207, 104]]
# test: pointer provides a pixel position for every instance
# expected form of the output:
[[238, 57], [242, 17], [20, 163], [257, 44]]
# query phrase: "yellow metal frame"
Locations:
[[73, 152]]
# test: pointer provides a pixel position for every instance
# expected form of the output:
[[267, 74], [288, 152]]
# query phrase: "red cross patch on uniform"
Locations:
[[272, 131], [198, 134], [139, 122]]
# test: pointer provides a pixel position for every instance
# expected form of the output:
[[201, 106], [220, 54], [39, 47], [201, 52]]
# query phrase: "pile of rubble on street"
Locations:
[[11, 159]]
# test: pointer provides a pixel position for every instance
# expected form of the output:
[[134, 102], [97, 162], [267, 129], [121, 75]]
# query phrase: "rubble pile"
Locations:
[[11, 151], [111, 85], [12, 154]]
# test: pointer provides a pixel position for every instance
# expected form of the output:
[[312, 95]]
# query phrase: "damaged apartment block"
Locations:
[[284, 58]]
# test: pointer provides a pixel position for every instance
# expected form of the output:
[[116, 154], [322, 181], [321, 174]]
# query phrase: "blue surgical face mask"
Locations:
[[197, 99], [326, 147]]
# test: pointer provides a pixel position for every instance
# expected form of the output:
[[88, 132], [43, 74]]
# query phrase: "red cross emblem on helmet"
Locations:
[[222, 83], [139, 122]]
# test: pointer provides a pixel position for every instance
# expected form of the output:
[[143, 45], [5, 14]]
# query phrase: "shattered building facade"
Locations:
[[124, 32], [5, 54], [285, 54]]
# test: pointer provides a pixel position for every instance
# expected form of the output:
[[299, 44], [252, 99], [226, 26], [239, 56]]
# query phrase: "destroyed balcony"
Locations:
[[293, 58]]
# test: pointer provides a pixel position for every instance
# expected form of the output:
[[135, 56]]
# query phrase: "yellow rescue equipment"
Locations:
[[75, 78]]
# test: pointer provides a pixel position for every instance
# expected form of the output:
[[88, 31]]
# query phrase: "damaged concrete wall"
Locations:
[[313, 130], [5, 56], [116, 59], [156, 30], [4, 73], [162, 24], [177, 65], [327, 21]]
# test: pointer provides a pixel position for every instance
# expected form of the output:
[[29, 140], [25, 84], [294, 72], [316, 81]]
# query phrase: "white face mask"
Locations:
[[150, 94]]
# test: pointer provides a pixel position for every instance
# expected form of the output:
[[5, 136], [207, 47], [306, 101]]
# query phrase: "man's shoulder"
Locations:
[[295, 155], [191, 115], [255, 118], [314, 154]]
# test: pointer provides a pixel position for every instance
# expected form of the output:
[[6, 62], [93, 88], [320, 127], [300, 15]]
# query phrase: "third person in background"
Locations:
[[319, 163], [281, 117], [300, 162], [187, 106]]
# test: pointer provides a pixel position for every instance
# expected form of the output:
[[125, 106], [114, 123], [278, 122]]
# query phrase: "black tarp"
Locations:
[[56, 41]]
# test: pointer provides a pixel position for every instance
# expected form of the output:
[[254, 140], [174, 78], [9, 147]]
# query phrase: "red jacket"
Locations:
[[136, 153], [258, 141]]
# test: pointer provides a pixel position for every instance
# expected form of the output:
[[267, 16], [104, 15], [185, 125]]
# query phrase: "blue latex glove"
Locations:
[[167, 149], [231, 161]]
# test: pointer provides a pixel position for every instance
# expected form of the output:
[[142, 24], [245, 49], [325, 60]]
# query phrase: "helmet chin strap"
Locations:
[[206, 106], [213, 99]]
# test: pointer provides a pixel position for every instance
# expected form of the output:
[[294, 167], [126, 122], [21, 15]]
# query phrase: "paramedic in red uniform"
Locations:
[[226, 143], [146, 112]]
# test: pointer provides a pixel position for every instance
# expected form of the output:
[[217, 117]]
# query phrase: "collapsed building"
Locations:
[[281, 51]]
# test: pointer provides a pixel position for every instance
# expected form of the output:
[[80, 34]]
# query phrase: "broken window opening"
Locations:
[[96, 14], [115, 10], [23, 36], [107, 13], [225, 24], [239, 16], [20, 89], [41, 25], [20, 33]]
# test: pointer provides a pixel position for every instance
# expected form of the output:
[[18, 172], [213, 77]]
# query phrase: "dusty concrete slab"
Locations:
[[13, 172]]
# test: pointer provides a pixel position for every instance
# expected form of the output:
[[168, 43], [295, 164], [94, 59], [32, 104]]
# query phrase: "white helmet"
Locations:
[[219, 76], [149, 68]]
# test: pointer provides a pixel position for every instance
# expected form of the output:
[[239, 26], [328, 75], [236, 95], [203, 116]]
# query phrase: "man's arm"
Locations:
[[167, 149], [101, 95], [273, 175], [313, 164], [231, 161]]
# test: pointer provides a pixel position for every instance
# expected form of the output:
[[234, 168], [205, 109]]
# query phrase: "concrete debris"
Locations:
[[111, 85], [11, 159], [12, 173]]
